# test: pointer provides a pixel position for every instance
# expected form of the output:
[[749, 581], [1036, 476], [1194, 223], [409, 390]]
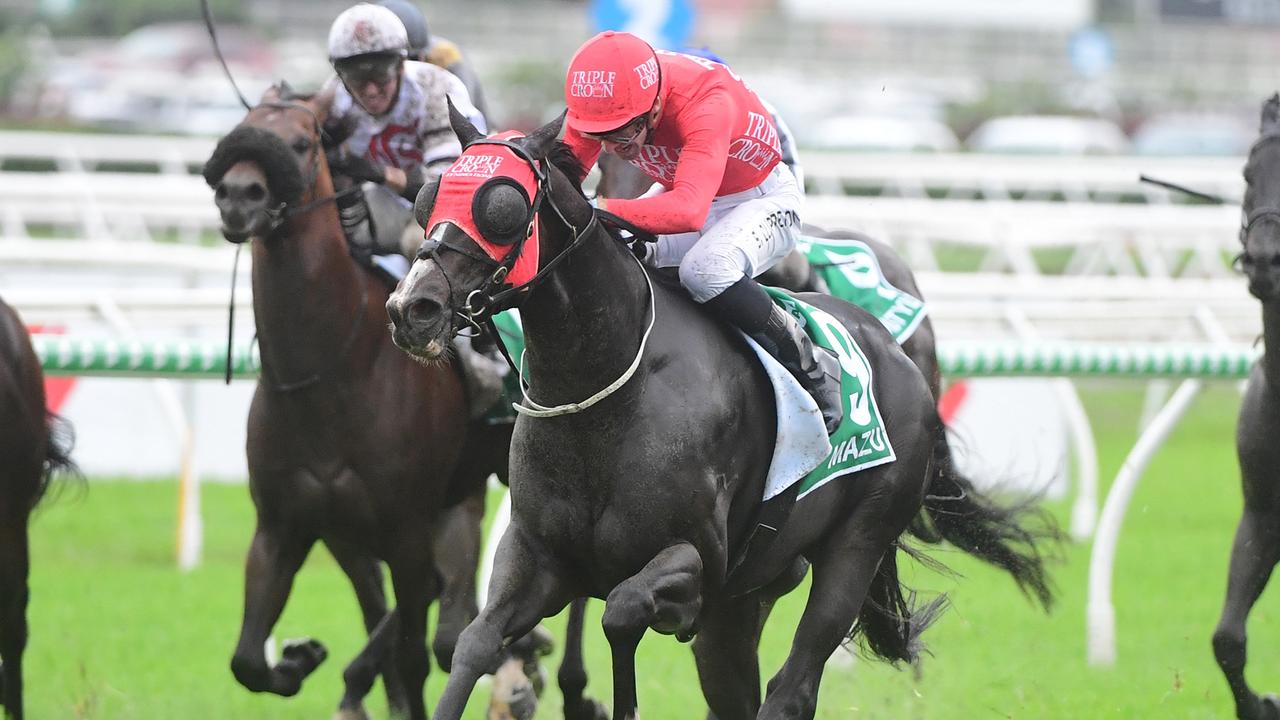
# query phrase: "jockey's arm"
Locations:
[[698, 175]]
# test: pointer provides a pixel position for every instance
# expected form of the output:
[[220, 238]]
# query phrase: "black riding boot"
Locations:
[[816, 369], [748, 306]]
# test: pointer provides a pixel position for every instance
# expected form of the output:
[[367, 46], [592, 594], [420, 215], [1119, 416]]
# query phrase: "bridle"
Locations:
[[493, 295], [1264, 211], [283, 212]]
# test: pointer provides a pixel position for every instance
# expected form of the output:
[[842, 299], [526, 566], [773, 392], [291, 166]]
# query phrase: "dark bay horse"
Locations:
[[645, 497], [34, 444], [1257, 542], [350, 441]]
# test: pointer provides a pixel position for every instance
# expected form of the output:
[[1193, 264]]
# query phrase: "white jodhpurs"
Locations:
[[745, 234]]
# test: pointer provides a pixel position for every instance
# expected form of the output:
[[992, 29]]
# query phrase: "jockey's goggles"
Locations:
[[624, 135], [361, 70]]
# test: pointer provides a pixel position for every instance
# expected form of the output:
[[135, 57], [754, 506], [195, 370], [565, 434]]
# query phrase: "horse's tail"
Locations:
[[57, 458], [890, 621], [1007, 536]]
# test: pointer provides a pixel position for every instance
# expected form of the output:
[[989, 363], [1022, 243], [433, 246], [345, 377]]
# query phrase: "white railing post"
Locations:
[[1100, 614]]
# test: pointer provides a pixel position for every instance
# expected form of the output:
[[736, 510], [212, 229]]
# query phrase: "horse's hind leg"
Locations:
[[726, 651], [365, 574], [844, 570], [275, 554], [572, 677], [1253, 557], [14, 564], [667, 596]]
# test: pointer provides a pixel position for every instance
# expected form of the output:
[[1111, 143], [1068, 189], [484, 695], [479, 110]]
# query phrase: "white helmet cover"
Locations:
[[365, 28]]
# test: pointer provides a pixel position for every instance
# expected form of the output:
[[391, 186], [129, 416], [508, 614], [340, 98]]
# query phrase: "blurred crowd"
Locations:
[[847, 84]]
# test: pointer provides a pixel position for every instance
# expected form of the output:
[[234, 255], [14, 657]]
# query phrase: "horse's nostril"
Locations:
[[422, 310], [255, 193]]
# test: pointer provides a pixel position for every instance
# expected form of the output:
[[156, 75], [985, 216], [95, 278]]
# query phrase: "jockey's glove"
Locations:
[[357, 168]]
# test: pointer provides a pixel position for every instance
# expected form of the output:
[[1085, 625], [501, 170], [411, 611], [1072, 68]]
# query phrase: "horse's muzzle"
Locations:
[[417, 326], [242, 199]]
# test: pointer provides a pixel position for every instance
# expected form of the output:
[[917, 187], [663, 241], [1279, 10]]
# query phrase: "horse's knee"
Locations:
[[1229, 648], [479, 648], [627, 613], [251, 672]]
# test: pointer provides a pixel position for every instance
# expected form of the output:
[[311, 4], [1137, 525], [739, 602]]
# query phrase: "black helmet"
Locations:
[[415, 23]]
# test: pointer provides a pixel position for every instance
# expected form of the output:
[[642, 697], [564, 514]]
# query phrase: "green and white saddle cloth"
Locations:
[[852, 273], [803, 453]]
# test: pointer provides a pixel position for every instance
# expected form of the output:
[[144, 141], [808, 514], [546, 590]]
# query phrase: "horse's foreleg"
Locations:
[[457, 553], [666, 596], [274, 558], [527, 586], [416, 584], [365, 574], [1253, 556], [14, 564], [572, 676]]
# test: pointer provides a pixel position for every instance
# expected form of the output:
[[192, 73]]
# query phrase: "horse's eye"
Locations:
[[301, 145]]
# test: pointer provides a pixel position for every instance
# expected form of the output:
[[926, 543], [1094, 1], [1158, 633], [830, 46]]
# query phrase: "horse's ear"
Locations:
[[540, 142], [1270, 112], [323, 100], [462, 127], [425, 201]]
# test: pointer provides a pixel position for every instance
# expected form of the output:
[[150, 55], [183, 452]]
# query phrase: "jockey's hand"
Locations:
[[357, 168]]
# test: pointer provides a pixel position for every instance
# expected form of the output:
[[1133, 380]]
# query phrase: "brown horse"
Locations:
[[34, 444], [350, 441]]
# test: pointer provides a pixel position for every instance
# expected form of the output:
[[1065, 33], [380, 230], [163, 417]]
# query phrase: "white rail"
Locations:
[[957, 175]]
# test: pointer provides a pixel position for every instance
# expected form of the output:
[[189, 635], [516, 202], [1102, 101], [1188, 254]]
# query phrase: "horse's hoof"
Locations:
[[351, 714], [587, 709], [1270, 705], [514, 696], [302, 656]]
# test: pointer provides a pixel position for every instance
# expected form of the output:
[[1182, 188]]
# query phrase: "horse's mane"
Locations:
[[563, 158]]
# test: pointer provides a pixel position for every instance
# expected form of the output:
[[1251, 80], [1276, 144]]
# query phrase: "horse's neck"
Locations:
[[1271, 342], [583, 326], [307, 294]]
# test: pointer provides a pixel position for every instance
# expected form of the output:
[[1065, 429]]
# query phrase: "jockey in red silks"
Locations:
[[730, 209]]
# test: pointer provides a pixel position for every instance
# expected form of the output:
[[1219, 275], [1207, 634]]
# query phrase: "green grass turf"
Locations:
[[117, 632]]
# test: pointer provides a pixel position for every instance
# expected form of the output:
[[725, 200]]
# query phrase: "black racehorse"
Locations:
[[1257, 544], [350, 441], [34, 444], [645, 493]]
